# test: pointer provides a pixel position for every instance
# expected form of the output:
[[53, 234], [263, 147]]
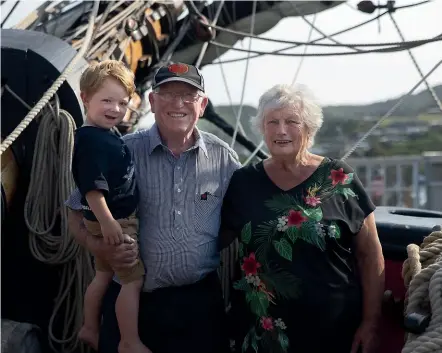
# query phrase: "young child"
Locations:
[[103, 170]]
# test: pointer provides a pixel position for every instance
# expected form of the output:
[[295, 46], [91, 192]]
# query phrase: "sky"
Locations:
[[358, 79]]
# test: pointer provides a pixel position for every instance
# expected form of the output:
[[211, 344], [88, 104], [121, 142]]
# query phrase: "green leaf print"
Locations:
[[283, 341], [284, 248], [254, 342], [334, 231], [263, 238], [349, 179], [266, 229], [259, 303], [282, 283], [242, 285], [241, 250], [346, 192], [245, 342], [293, 233], [314, 214], [246, 233], [310, 235], [252, 339], [281, 203]]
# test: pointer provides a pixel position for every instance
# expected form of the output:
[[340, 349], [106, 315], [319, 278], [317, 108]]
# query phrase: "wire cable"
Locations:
[[391, 111], [206, 44], [348, 29], [380, 50], [54, 87], [413, 59], [9, 14], [311, 24], [282, 41], [312, 27], [238, 117], [298, 70]]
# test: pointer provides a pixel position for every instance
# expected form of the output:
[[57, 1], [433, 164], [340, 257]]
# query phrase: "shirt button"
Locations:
[[179, 212]]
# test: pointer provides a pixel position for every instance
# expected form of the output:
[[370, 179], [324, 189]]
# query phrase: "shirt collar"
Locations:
[[155, 140]]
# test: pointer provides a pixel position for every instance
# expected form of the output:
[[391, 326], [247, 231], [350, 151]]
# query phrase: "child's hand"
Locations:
[[112, 232]]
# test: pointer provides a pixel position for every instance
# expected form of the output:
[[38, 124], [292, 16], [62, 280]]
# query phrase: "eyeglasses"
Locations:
[[186, 97]]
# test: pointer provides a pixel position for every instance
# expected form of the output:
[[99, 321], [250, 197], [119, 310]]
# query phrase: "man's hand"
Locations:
[[112, 232], [363, 341], [119, 257]]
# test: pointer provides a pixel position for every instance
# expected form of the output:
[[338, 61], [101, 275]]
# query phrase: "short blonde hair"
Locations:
[[93, 77], [300, 98]]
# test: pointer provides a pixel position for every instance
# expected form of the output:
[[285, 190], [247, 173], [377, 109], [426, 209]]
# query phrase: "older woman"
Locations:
[[311, 270]]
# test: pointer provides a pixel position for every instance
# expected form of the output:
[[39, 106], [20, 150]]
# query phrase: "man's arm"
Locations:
[[118, 256], [81, 235], [372, 268]]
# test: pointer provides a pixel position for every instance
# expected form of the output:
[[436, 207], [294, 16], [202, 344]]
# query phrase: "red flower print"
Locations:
[[312, 200], [267, 323], [295, 218], [338, 176], [250, 265]]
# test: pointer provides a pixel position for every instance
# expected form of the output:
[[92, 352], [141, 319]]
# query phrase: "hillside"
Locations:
[[414, 105], [419, 108]]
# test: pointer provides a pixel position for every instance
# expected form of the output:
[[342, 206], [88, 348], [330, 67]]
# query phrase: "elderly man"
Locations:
[[182, 174]]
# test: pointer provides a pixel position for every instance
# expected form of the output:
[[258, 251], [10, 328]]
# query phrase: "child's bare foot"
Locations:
[[89, 336], [133, 347]]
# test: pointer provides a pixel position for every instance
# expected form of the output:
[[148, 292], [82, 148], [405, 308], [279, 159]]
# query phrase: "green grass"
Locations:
[[430, 117]]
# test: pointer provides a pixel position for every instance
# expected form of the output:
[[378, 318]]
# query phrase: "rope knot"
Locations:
[[422, 273]]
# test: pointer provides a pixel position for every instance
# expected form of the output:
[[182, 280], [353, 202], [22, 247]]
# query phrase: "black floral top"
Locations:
[[297, 287]]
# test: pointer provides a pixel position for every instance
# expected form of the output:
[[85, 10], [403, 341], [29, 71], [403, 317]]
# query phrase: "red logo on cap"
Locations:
[[178, 69]]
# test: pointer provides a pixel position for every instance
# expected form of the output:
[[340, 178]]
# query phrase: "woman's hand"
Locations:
[[363, 341]]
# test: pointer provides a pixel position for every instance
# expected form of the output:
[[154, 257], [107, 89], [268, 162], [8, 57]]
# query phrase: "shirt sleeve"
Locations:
[[74, 200], [92, 168], [356, 201]]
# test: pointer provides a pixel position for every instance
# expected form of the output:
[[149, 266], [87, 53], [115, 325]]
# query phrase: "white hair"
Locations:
[[298, 97]]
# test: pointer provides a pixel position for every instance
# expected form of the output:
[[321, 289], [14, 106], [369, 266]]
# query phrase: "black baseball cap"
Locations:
[[179, 72]]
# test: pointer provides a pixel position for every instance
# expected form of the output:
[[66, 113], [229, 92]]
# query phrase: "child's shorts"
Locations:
[[130, 227]]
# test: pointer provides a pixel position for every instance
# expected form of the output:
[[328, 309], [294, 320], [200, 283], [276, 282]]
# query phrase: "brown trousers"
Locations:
[[130, 227]]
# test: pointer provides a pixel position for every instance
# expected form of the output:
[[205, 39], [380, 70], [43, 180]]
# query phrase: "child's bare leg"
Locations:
[[92, 308], [127, 315]]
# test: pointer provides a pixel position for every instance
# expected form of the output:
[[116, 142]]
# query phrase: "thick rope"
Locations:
[[50, 185], [422, 273], [55, 86]]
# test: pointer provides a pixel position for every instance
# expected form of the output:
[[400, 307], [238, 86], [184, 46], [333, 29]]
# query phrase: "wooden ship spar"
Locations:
[[44, 272]]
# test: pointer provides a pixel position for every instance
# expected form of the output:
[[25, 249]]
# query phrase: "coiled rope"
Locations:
[[422, 273], [50, 185], [55, 86]]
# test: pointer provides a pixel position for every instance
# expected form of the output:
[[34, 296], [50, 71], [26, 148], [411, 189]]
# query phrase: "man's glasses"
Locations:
[[186, 97]]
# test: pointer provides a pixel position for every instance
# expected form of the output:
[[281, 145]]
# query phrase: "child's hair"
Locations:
[[94, 76]]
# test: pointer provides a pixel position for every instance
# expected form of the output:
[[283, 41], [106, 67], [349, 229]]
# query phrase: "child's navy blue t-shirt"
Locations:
[[102, 161]]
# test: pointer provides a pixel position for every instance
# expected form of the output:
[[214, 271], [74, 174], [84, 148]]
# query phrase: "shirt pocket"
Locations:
[[207, 217]]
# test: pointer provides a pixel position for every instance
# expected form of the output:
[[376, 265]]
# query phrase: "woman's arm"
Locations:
[[371, 266]]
